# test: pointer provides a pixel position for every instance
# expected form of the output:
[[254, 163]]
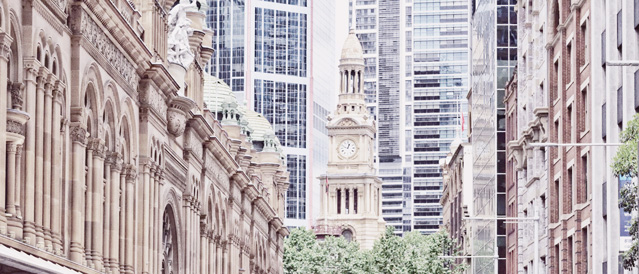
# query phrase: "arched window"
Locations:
[[347, 234], [169, 239]]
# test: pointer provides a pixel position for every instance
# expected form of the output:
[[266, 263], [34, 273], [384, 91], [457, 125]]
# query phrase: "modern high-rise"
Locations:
[[278, 58], [416, 79], [494, 57]]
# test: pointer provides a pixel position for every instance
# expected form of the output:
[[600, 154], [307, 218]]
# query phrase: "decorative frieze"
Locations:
[[113, 55], [152, 97]]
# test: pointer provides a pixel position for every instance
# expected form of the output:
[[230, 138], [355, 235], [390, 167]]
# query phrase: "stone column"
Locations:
[[76, 249], [130, 234], [39, 164], [98, 193], [11, 171], [88, 202], [5, 51], [219, 251], [122, 218], [114, 243], [15, 222], [106, 216], [46, 155], [146, 205], [367, 202], [203, 248], [56, 174], [28, 208], [212, 264]]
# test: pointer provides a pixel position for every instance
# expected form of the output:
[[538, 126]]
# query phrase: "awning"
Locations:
[[26, 262]]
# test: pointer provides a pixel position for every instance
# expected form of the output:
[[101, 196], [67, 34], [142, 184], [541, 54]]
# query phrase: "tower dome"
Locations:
[[351, 66], [352, 48]]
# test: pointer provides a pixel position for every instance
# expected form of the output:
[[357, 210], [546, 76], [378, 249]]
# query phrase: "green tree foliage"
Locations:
[[414, 253], [625, 164]]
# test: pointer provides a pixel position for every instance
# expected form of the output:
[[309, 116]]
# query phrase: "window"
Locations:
[[339, 201], [570, 189], [572, 255], [604, 204], [584, 107], [637, 89], [636, 14], [603, 121], [557, 89], [569, 124], [619, 30], [571, 63], [585, 247], [620, 106], [555, 205], [585, 37], [584, 163], [603, 48]]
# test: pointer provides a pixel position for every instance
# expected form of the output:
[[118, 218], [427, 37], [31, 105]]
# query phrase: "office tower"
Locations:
[[494, 56], [613, 92], [416, 77], [274, 56]]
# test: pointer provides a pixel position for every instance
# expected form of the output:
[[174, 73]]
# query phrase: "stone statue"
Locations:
[[179, 50]]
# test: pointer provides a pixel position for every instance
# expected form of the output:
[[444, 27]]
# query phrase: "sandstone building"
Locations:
[[112, 161], [351, 196]]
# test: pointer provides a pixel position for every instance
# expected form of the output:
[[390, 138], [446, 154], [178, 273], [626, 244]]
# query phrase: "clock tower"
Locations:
[[351, 193]]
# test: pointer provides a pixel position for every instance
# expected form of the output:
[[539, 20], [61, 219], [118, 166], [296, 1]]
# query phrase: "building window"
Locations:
[[572, 255], [570, 122], [603, 48], [637, 89], [584, 106], [585, 248], [584, 163], [557, 90], [620, 106], [556, 206], [571, 63], [585, 37], [636, 13], [619, 30], [570, 188], [604, 203], [603, 121], [339, 201]]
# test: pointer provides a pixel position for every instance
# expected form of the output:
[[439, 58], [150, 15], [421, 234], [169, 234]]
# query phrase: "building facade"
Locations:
[[457, 198], [494, 57], [526, 101], [351, 200], [416, 77], [614, 92], [274, 55], [114, 163], [570, 215]]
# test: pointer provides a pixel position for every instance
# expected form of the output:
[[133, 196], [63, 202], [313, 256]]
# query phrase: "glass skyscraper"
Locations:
[[416, 79], [263, 50], [494, 57]]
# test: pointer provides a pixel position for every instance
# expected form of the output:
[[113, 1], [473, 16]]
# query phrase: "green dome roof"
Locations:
[[216, 92]]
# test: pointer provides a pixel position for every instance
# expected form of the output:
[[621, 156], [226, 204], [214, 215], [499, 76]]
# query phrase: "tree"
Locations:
[[415, 253], [625, 164]]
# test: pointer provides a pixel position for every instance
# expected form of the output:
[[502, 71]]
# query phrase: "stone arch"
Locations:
[[173, 202], [15, 60], [3, 15], [170, 259], [125, 140], [91, 76], [110, 125]]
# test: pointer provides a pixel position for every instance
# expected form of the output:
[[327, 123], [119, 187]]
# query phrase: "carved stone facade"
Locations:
[[113, 164]]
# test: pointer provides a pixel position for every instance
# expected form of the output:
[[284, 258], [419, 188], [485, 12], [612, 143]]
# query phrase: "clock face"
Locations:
[[347, 148]]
